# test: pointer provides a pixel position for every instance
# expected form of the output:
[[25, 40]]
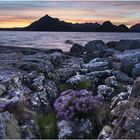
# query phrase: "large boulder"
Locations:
[[96, 65], [95, 45], [76, 49], [127, 59], [123, 45], [122, 77]]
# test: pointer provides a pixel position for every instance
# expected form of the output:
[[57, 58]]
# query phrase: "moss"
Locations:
[[47, 126], [86, 84], [63, 87]]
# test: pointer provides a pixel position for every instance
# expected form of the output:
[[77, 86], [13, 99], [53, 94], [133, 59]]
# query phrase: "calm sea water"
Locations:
[[57, 39]]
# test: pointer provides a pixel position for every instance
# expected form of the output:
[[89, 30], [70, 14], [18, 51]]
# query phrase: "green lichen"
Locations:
[[86, 84], [47, 126], [63, 87]]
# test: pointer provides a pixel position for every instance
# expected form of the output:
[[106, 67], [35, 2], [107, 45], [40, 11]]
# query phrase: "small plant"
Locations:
[[47, 126], [76, 104]]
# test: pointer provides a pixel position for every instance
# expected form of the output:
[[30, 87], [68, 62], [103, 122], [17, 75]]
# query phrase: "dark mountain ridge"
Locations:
[[48, 23]]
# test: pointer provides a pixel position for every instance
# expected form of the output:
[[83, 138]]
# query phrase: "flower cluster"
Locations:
[[73, 104]]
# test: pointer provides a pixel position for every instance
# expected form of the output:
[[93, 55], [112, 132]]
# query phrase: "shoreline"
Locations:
[[32, 80]]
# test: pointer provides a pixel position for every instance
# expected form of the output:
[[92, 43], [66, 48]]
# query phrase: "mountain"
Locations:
[[48, 23], [135, 28]]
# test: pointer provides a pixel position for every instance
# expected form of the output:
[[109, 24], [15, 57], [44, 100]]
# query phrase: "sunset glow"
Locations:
[[22, 13]]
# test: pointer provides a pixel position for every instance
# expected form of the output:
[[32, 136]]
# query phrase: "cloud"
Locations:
[[25, 12]]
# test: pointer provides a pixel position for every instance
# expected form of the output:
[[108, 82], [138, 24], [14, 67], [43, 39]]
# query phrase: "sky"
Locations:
[[19, 13]]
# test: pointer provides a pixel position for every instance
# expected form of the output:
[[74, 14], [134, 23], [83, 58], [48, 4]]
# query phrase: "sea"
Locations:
[[52, 40]]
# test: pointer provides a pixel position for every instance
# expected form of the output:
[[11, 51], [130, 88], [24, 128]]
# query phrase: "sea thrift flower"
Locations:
[[73, 104]]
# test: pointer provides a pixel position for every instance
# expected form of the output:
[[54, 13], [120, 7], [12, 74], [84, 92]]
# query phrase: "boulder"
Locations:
[[127, 59], [122, 77], [76, 49], [123, 45], [75, 129], [112, 44], [95, 45], [99, 74], [96, 65], [69, 68]]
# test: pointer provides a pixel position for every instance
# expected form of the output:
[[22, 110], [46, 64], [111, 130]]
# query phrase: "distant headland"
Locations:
[[48, 23]]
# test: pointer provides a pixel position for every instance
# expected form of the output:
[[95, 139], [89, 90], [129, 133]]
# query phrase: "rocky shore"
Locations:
[[92, 91]]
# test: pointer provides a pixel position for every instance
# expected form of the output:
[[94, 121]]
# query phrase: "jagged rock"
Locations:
[[99, 74], [71, 129], [2, 89], [38, 83], [51, 90], [69, 68], [77, 79], [122, 77], [40, 102], [96, 65], [136, 88], [57, 58], [104, 90], [111, 81], [136, 70], [9, 128], [105, 133], [76, 49]]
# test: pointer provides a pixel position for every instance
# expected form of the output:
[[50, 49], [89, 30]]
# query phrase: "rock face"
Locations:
[[126, 116], [9, 128]]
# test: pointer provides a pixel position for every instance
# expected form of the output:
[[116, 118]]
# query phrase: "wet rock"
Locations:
[[76, 49], [9, 126], [96, 65], [136, 70], [122, 77], [94, 46], [123, 45], [75, 129], [104, 90], [112, 44], [69, 42]]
